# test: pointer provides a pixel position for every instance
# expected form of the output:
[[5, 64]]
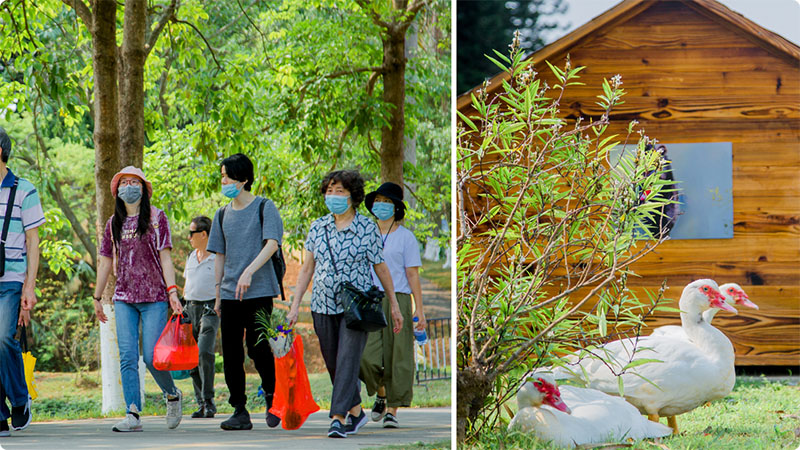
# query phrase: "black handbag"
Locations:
[[363, 311]]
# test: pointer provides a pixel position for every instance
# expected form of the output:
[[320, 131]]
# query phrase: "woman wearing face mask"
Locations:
[[354, 241], [250, 232], [137, 243], [387, 367]]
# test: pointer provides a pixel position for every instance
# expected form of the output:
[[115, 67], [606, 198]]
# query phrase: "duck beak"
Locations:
[[559, 404], [744, 300], [720, 303]]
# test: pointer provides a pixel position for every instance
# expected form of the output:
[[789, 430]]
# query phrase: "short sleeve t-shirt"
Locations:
[[199, 277], [240, 239], [26, 214], [356, 248], [401, 250], [140, 277]]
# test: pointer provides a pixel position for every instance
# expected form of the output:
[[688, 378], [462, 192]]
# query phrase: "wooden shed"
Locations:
[[697, 72]]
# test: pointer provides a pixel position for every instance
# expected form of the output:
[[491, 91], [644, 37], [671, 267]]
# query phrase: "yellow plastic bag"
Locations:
[[29, 362]]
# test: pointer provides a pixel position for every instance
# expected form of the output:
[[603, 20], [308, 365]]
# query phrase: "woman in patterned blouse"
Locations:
[[354, 241]]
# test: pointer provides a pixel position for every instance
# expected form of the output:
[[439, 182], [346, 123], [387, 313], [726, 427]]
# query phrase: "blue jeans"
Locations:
[[153, 318], [12, 372]]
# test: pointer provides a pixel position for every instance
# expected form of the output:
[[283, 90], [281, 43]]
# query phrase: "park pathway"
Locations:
[[418, 425]]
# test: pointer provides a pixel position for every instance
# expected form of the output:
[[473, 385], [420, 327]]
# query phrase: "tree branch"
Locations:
[[82, 12], [168, 14], [211, 49], [376, 18]]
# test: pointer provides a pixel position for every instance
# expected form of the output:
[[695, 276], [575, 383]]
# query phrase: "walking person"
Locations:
[[354, 241], [137, 244], [19, 267], [199, 293], [244, 235], [387, 367]]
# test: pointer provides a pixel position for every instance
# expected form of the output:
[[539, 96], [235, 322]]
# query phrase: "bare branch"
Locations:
[[166, 16]]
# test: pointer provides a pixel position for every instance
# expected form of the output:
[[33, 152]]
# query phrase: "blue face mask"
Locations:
[[383, 211], [230, 190], [337, 204], [129, 194]]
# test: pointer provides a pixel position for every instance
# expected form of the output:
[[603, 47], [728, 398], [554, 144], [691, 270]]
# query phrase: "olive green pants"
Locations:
[[388, 359]]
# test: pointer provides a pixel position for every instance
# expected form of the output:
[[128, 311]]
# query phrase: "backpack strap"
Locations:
[[9, 209]]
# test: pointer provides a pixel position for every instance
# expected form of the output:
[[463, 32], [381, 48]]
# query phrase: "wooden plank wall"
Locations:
[[690, 78]]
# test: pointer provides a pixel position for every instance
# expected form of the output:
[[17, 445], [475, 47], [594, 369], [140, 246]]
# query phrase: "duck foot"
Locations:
[[672, 422]]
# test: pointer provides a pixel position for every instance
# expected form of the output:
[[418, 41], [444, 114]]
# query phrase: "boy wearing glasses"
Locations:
[[199, 293]]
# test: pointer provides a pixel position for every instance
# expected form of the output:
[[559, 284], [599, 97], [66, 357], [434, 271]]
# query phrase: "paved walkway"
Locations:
[[418, 425]]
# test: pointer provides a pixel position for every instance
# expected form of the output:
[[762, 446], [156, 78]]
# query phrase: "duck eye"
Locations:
[[705, 288]]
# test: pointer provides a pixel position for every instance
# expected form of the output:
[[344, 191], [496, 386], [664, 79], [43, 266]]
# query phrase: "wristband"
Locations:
[[98, 299], [169, 288]]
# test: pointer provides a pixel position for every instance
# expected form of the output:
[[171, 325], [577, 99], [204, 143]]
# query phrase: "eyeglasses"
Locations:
[[130, 181], [195, 231]]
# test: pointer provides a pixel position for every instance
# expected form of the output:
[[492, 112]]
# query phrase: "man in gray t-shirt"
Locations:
[[244, 235]]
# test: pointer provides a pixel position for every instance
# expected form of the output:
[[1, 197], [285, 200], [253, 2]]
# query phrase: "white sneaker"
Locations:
[[175, 411], [130, 422]]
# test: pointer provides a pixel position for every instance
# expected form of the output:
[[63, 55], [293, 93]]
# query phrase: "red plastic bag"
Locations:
[[293, 401], [176, 349]]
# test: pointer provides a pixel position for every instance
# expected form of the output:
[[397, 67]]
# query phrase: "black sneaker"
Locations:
[[390, 421], [240, 420], [4, 431], [355, 423], [210, 409], [273, 420], [337, 430], [378, 408], [201, 411], [21, 416]]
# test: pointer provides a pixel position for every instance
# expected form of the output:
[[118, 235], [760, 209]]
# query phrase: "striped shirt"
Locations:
[[356, 248], [26, 214]]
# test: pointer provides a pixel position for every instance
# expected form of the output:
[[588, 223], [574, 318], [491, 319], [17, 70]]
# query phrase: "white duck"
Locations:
[[691, 372], [591, 417], [734, 295]]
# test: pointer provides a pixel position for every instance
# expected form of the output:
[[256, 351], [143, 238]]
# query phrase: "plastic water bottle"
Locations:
[[420, 335]]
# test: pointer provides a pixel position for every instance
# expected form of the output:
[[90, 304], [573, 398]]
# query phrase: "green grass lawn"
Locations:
[[61, 396], [758, 415], [433, 272]]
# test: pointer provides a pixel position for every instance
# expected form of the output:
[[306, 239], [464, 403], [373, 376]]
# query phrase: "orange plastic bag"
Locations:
[[292, 401], [176, 349]]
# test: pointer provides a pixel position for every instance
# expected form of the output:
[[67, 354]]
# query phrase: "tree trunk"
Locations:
[[131, 86], [473, 386], [394, 94], [106, 159]]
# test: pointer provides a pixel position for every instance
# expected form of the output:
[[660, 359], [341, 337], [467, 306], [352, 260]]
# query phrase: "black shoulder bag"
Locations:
[[363, 311], [6, 223]]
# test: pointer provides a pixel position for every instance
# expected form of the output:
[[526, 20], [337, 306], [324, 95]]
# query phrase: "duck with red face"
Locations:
[[592, 417]]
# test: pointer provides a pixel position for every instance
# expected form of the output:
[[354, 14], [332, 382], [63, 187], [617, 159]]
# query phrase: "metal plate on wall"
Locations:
[[704, 174]]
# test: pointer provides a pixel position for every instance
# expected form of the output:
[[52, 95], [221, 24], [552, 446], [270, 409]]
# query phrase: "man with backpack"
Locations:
[[19, 262], [245, 236]]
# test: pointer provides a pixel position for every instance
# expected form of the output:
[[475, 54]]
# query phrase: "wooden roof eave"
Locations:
[[582, 35], [629, 8], [773, 42]]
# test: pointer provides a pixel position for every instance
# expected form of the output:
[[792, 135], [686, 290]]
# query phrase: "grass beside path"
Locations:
[[61, 397], [433, 272], [759, 414]]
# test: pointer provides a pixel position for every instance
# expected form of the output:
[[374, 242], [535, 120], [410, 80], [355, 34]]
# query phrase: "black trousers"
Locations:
[[237, 322]]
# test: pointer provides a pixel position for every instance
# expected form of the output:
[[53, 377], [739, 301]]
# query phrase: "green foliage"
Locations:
[[550, 223], [287, 82]]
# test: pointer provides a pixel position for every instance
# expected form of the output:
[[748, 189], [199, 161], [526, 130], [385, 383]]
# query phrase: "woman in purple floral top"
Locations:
[[137, 243]]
